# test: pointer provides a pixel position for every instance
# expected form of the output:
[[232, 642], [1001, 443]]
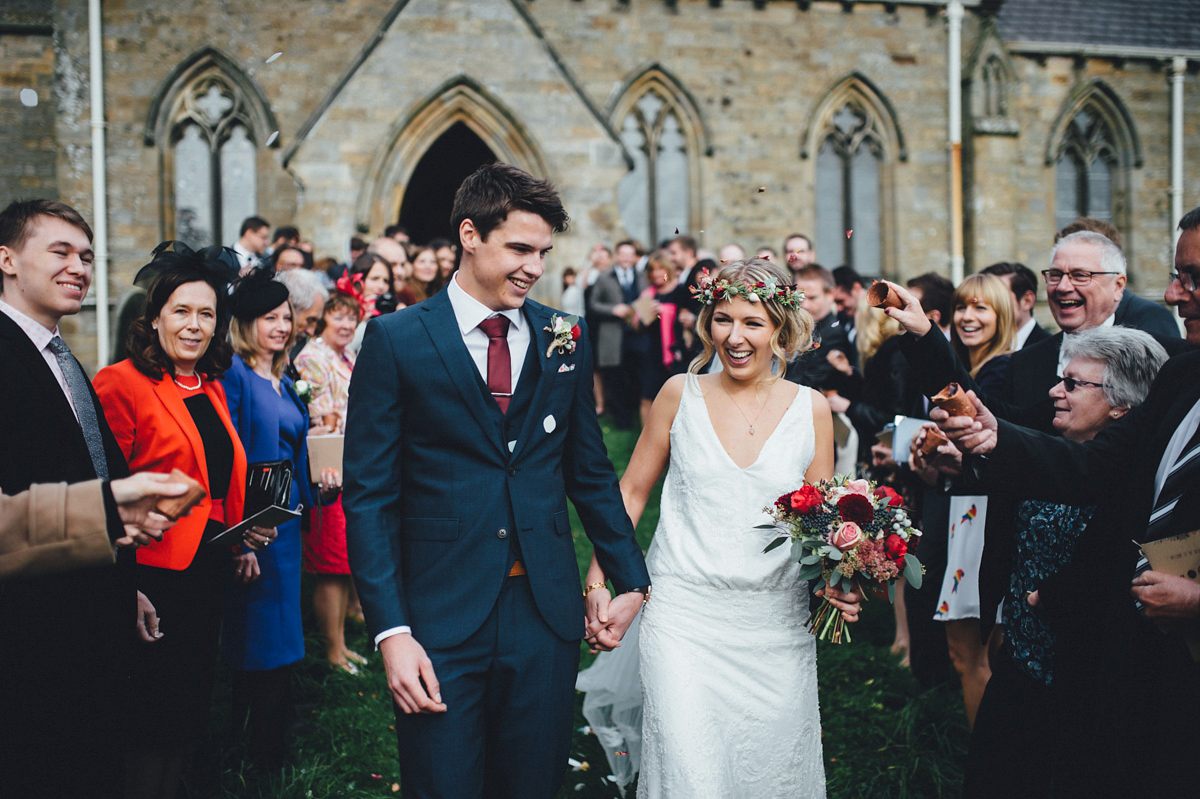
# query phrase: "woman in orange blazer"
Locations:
[[168, 411]]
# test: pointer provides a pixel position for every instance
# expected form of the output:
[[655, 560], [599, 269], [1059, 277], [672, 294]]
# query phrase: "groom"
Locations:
[[469, 424]]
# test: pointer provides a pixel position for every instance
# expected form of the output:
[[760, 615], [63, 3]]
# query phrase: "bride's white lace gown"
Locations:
[[729, 673]]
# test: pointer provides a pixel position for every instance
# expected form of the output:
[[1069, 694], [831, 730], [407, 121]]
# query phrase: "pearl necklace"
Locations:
[[196, 387]]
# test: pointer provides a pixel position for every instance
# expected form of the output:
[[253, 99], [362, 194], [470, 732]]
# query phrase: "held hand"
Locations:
[[946, 458], [410, 675], [912, 316], [596, 617], [147, 620], [976, 436], [245, 568], [136, 496], [331, 482], [259, 537], [848, 602], [137, 537], [838, 360], [621, 613], [1167, 596]]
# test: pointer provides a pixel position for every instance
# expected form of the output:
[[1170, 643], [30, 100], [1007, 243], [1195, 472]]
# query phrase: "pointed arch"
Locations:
[[855, 141], [662, 129], [459, 100], [210, 123], [1097, 96], [1093, 146], [991, 80], [856, 90], [256, 109]]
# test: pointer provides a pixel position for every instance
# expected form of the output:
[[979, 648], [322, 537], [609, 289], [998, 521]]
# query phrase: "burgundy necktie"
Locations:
[[499, 362]]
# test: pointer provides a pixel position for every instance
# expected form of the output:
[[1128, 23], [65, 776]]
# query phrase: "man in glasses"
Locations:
[[1132, 626]]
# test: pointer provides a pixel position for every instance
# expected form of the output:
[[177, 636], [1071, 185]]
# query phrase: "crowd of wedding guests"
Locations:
[[236, 356]]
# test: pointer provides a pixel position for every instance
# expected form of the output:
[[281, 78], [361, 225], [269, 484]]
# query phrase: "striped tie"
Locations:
[[1182, 474]]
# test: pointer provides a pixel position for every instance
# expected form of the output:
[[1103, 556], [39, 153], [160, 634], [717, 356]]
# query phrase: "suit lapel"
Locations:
[[47, 384], [540, 339], [442, 326], [169, 397]]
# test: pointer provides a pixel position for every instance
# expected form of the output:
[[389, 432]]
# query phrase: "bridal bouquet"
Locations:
[[848, 532]]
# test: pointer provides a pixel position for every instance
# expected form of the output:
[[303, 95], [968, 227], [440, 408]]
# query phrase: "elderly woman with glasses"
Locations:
[[1109, 371]]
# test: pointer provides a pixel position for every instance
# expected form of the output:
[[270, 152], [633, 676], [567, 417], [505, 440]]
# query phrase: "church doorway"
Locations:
[[429, 196]]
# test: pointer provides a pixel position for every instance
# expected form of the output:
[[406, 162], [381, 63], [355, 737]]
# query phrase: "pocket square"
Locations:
[[566, 367]]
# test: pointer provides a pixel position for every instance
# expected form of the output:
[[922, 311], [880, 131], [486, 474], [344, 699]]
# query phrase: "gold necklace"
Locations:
[[739, 407], [196, 387]]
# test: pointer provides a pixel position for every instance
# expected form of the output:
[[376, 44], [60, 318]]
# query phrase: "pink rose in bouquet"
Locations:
[[846, 536]]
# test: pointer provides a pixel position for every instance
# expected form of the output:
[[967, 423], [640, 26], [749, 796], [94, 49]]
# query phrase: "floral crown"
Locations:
[[708, 291]]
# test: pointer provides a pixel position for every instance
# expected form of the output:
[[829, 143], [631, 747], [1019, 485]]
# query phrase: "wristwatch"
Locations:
[[644, 590]]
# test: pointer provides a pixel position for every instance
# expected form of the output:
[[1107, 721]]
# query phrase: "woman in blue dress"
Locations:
[[261, 636]]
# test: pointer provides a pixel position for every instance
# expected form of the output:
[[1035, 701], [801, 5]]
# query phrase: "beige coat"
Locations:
[[53, 527]]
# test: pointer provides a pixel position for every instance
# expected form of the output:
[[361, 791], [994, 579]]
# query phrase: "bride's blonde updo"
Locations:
[[793, 324]]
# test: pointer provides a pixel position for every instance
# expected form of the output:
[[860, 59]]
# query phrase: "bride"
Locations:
[[728, 669]]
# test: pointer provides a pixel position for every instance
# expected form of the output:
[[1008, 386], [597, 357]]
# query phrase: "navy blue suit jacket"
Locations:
[[433, 493]]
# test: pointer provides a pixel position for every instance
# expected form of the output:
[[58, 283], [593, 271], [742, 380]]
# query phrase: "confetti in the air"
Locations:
[[29, 98], [271, 139], [849, 233], [272, 58], [676, 231], [761, 189]]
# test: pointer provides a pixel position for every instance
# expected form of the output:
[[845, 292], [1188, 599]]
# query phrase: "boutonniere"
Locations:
[[566, 332], [304, 391]]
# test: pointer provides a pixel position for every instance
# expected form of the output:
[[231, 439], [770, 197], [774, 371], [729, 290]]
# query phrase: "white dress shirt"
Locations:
[[1179, 439], [1023, 334], [469, 312], [41, 338]]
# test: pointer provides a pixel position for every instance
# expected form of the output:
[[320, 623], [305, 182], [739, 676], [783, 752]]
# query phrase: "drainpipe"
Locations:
[[1178, 68], [954, 15], [99, 183]]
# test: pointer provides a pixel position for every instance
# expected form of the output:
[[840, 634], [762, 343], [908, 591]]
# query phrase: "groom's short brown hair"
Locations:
[[493, 190]]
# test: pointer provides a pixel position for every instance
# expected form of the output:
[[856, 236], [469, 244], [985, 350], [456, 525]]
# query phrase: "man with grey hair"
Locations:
[[308, 296]]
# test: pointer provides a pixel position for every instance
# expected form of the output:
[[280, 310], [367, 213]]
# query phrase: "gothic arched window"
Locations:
[[1085, 170], [653, 199], [214, 183], [848, 208]]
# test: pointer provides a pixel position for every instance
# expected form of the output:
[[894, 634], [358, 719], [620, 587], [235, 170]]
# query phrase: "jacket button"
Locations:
[[512, 470], [502, 533]]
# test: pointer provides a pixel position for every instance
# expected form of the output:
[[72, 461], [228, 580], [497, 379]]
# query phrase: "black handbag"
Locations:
[[267, 483]]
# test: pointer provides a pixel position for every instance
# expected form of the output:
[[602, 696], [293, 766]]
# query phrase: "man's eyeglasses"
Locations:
[[1186, 279], [1079, 277], [1070, 383]]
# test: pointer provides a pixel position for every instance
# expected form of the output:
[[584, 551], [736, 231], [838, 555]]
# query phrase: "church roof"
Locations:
[[1160, 24]]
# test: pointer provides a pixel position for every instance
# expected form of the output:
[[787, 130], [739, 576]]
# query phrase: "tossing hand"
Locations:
[[976, 436], [410, 675], [136, 497], [912, 316], [1166, 596]]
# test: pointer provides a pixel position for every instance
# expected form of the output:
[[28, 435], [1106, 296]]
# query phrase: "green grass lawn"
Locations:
[[882, 736]]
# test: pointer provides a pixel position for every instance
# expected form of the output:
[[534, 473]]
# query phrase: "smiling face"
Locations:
[[1187, 261], [445, 259], [274, 328], [818, 301], [425, 266], [500, 271], [975, 324], [741, 333], [48, 277], [1080, 414], [1077, 308], [186, 323], [340, 325]]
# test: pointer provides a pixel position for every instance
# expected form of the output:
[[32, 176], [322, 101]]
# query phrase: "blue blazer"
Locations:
[[262, 625], [432, 489]]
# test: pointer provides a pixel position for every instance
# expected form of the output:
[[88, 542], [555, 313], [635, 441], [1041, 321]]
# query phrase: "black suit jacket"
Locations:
[[59, 673], [1142, 314], [1036, 335]]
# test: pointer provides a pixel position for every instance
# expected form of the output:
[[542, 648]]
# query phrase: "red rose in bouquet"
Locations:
[[894, 500], [895, 547], [805, 499], [856, 508]]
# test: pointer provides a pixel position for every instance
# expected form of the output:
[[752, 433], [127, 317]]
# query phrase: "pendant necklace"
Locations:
[[188, 388], [743, 413]]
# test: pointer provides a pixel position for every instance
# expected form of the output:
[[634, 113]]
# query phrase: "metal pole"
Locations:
[[99, 183], [954, 15], [1178, 69]]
